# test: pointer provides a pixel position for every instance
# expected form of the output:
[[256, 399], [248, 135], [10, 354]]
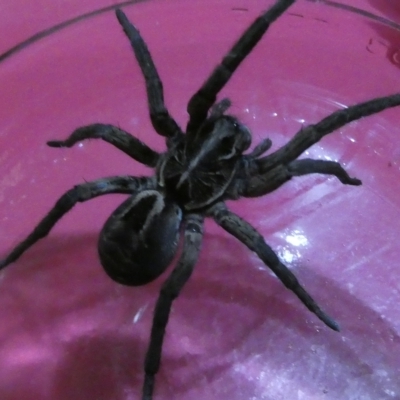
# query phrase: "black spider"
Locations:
[[199, 171]]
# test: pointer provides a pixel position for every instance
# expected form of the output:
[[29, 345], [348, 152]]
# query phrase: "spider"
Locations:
[[201, 169]]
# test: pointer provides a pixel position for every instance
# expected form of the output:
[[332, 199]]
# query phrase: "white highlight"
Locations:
[[297, 238], [139, 314]]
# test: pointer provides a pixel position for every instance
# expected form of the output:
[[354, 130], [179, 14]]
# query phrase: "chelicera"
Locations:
[[202, 167]]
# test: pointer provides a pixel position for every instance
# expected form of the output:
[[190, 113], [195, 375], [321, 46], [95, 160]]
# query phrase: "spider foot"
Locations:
[[308, 166], [57, 143], [353, 181], [3, 263], [327, 320], [148, 387]]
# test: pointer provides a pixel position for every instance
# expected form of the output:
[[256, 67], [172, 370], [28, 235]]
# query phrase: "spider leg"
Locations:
[[311, 134], [119, 138], [218, 109], [261, 184], [310, 166], [162, 121], [79, 193], [205, 97], [243, 231], [170, 291], [261, 148]]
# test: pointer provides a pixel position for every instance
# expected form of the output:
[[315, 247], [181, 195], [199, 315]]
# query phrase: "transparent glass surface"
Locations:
[[68, 332]]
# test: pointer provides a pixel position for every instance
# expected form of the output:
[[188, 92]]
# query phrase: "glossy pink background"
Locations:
[[69, 332]]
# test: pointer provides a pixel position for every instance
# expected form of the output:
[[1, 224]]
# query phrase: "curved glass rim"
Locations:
[[62, 25]]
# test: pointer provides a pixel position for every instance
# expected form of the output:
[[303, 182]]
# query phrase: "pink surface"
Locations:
[[68, 332]]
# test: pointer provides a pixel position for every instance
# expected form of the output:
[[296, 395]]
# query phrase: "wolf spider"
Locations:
[[200, 169]]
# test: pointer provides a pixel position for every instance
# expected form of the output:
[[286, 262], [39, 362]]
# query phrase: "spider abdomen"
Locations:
[[140, 238]]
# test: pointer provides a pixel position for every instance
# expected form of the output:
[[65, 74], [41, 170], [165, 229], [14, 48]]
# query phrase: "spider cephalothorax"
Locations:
[[201, 168], [197, 172]]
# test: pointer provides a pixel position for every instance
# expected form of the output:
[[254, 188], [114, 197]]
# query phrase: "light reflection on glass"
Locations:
[[297, 238], [139, 314]]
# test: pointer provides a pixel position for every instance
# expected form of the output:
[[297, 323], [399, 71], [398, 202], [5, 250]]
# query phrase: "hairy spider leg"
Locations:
[[161, 120], [79, 193], [243, 231], [311, 134], [261, 184], [170, 290], [310, 166], [205, 97], [119, 138]]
